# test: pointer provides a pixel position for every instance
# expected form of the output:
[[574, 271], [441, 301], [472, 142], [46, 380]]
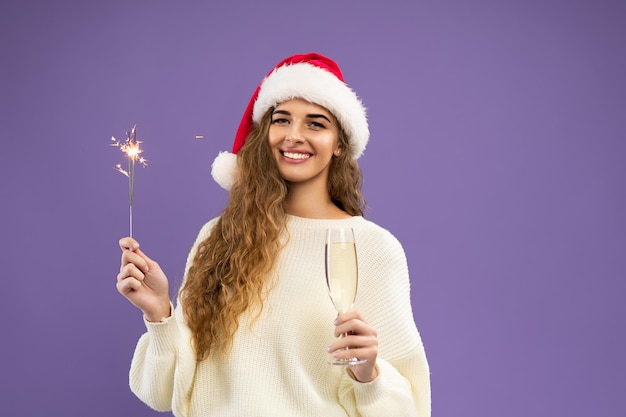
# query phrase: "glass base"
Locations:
[[347, 362]]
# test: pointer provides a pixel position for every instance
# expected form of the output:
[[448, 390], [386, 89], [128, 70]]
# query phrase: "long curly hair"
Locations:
[[231, 271]]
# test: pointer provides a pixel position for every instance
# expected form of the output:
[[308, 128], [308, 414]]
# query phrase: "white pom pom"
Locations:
[[224, 169]]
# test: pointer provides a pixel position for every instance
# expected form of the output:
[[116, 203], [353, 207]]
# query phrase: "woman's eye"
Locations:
[[279, 121], [317, 125]]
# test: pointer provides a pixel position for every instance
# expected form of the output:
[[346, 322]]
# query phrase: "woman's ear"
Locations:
[[337, 151]]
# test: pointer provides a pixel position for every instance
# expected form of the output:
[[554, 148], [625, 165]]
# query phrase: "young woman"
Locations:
[[254, 327]]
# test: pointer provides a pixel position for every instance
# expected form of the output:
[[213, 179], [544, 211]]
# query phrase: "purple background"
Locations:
[[496, 157]]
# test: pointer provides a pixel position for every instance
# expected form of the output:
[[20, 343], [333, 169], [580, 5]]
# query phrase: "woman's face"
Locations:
[[303, 138]]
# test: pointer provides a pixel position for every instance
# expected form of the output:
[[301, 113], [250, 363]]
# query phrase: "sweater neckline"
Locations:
[[295, 222]]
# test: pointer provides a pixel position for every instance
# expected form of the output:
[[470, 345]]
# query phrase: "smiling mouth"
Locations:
[[296, 155]]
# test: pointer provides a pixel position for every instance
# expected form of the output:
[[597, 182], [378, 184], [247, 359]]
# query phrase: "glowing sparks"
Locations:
[[119, 168], [130, 147]]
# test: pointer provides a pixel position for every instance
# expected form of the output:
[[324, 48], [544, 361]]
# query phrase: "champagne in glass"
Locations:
[[342, 275]]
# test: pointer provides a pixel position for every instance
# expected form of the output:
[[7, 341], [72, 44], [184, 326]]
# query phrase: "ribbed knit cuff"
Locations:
[[162, 335], [370, 393]]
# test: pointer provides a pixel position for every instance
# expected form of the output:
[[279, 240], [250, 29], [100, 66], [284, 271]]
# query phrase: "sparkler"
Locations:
[[130, 147]]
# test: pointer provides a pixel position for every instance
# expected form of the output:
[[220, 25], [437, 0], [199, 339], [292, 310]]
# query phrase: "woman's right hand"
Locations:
[[142, 282]]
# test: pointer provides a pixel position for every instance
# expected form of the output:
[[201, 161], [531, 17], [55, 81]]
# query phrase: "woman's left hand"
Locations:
[[362, 341]]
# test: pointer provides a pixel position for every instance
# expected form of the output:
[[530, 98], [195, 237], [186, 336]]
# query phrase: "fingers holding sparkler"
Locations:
[[142, 281]]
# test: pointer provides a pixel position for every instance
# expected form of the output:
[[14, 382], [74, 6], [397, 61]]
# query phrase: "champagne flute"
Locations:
[[342, 276]]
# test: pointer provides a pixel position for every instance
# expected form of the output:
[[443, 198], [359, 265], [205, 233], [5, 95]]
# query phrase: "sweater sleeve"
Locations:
[[163, 364], [152, 369], [402, 388]]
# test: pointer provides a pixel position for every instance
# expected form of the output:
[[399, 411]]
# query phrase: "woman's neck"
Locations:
[[313, 204]]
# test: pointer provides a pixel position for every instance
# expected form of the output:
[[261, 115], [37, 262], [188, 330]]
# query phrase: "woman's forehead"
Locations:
[[299, 103]]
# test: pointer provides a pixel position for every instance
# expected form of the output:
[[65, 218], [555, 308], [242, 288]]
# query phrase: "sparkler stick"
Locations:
[[130, 147]]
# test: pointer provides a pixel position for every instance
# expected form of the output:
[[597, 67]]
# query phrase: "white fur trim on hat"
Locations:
[[224, 169], [321, 87]]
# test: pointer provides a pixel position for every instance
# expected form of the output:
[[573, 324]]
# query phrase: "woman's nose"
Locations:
[[294, 134]]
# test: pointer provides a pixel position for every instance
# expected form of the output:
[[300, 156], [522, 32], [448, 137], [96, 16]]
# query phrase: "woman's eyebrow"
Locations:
[[317, 116], [308, 116]]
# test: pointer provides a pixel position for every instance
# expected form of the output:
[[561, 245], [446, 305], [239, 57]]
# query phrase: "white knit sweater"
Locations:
[[279, 367]]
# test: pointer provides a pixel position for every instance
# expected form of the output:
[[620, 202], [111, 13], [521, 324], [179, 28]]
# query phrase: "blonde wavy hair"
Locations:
[[230, 271]]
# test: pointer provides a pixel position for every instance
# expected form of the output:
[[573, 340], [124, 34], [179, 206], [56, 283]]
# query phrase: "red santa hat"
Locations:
[[311, 77]]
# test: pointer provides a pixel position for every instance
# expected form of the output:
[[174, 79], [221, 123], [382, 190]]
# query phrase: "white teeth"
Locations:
[[293, 155]]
